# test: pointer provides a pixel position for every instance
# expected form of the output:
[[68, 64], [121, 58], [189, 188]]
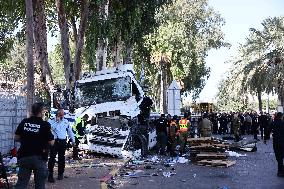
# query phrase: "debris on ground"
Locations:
[[235, 154], [244, 145], [168, 174]]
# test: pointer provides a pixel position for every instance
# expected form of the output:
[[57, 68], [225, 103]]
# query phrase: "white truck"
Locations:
[[119, 110]]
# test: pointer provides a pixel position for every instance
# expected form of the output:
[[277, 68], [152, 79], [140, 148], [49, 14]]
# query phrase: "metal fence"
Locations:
[[12, 111]]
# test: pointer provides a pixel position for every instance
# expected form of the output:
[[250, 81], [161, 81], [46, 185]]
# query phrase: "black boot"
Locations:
[[50, 178], [60, 177]]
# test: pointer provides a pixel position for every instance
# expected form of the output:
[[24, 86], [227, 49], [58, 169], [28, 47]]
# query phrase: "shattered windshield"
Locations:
[[109, 90]]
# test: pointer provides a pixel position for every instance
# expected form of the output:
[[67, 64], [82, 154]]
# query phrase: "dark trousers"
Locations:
[[279, 155], [172, 145], [223, 128], [280, 165], [264, 132], [215, 128], [183, 141], [30, 164], [248, 128], [255, 131], [243, 129], [76, 148], [237, 137], [58, 148], [161, 142], [262, 129]]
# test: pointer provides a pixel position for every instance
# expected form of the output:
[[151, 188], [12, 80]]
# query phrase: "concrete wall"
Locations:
[[12, 111]]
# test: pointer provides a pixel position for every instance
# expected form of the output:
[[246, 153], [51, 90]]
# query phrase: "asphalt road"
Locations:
[[255, 171]]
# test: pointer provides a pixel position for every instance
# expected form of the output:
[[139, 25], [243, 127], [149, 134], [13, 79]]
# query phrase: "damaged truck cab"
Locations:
[[118, 109]]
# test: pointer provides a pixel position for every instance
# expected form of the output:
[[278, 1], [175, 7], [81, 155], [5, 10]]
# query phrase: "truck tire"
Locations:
[[140, 142]]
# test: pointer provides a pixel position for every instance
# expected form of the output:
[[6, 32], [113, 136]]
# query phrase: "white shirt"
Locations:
[[61, 129]]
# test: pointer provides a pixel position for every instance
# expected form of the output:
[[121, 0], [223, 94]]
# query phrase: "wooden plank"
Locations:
[[199, 139], [216, 163], [211, 156], [210, 146]]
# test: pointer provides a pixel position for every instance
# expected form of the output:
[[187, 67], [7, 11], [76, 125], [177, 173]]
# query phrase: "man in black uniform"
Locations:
[[223, 124], [277, 127], [263, 123], [35, 136], [255, 125], [161, 129]]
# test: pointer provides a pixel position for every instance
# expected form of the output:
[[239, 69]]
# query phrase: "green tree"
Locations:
[[187, 31], [258, 67]]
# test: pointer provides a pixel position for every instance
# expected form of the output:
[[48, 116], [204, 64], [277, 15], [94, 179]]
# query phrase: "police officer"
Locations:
[[183, 133], [277, 127], [79, 131], [60, 128], [161, 130], [35, 136], [172, 134]]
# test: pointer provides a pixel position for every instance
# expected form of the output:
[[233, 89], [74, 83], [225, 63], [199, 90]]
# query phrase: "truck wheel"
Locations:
[[140, 142]]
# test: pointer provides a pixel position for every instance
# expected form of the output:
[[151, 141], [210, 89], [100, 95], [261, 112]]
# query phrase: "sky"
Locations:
[[239, 15]]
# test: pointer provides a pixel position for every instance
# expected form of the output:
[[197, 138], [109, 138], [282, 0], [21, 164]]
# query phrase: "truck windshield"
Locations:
[[109, 90]]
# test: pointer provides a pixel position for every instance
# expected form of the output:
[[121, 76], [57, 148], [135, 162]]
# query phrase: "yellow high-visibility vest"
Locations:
[[183, 124]]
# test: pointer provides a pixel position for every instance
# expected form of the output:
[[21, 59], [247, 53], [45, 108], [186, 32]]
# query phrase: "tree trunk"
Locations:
[[117, 59], [64, 42], [40, 39], [129, 51], [280, 100], [80, 40], [259, 101], [163, 95], [74, 28], [29, 46], [102, 40]]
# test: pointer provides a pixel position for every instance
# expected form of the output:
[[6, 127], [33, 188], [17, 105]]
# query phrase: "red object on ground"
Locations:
[[106, 178], [14, 152], [2, 185]]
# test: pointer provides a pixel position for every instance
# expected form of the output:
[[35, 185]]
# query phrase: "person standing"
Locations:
[[172, 135], [60, 127], [35, 137], [161, 129], [263, 125], [79, 131], [242, 127], [223, 124], [215, 123], [255, 125], [247, 124], [236, 124], [183, 133], [205, 127], [278, 141]]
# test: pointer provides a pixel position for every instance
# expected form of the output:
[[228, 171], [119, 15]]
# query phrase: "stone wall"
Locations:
[[12, 111]]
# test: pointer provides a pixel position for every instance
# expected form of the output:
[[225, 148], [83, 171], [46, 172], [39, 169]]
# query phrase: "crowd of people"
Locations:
[[172, 132], [242, 123]]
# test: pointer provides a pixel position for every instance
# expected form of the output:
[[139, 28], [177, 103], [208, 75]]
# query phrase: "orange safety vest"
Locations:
[[172, 128], [183, 124]]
